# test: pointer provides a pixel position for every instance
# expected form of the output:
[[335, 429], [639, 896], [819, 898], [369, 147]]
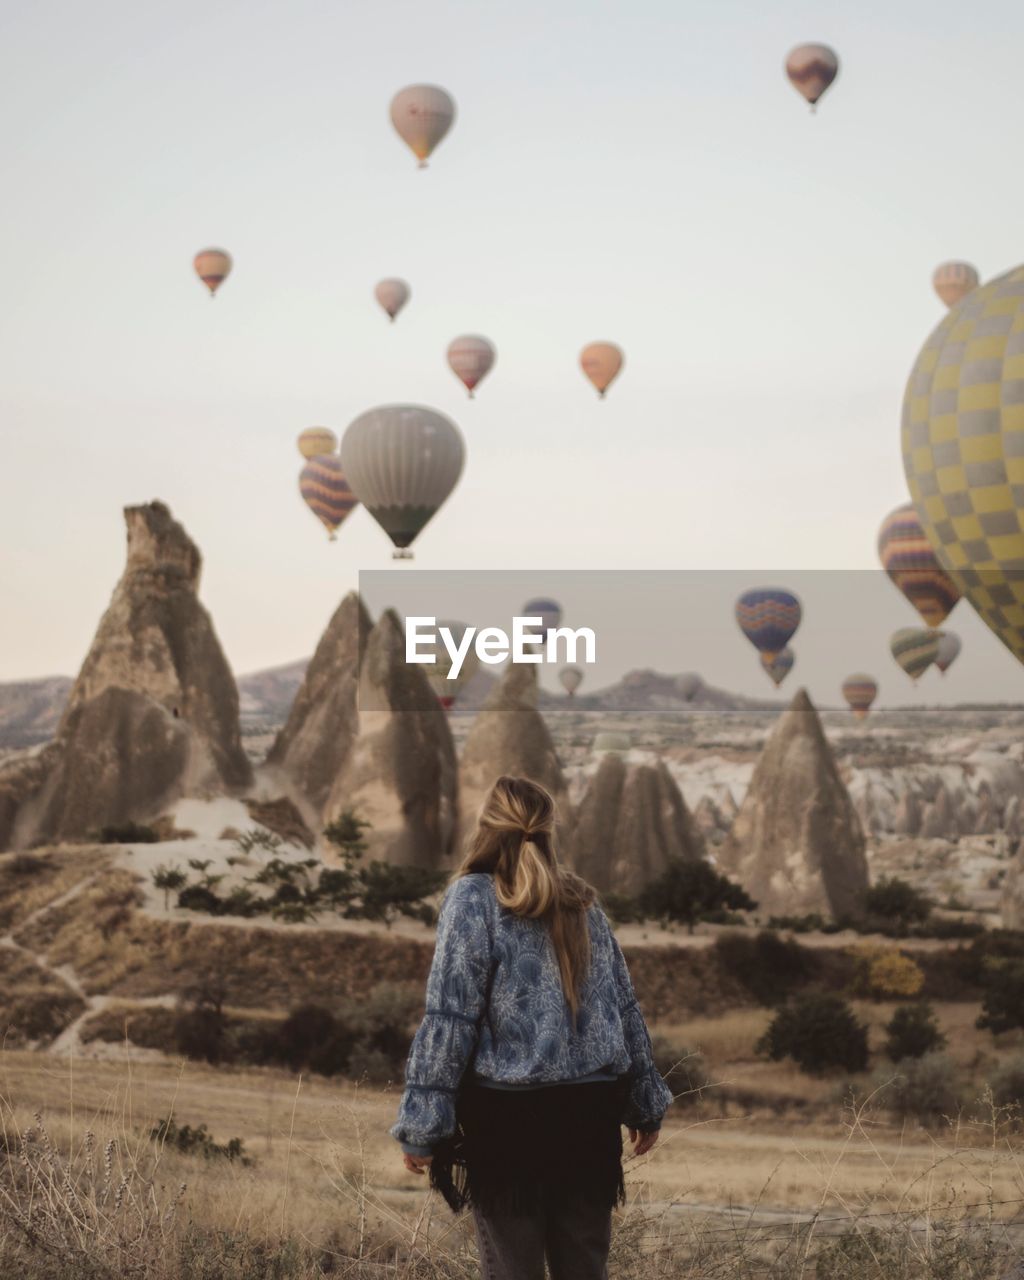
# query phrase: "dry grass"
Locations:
[[327, 1193]]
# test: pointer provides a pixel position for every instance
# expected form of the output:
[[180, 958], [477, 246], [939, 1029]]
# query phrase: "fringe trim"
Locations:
[[518, 1151]]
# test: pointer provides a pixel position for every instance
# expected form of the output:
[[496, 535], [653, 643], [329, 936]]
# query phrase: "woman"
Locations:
[[531, 1054]]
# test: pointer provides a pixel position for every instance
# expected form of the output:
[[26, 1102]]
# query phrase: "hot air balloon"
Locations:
[[949, 649], [778, 665], [471, 358], [908, 559], [316, 441], [811, 69], [449, 691], [213, 266], [570, 678], [953, 281], [689, 685], [422, 114], [392, 295], [768, 617], [325, 489], [611, 741], [402, 460], [549, 611], [601, 363], [915, 649], [860, 691], [961, 450]]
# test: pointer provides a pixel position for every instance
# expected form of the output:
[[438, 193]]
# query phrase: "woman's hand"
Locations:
[[417, 1164], [642, 1142]]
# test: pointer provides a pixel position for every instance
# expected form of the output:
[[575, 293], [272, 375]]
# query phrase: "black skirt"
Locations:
[[518, 1150]]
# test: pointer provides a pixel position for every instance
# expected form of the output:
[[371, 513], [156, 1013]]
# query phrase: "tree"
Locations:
[[168, 879], [346, 834], [692, 891], [913, 1032], [897, 903], [818, 1032], [1003, 1006]]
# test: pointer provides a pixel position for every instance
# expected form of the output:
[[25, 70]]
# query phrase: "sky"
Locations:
[[636, 172]]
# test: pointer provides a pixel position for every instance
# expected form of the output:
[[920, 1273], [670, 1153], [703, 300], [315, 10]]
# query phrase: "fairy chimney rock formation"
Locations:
[[631, 823], [399, 773], [1012, 904], [509, 736], [317, 738], [796, 844], [153, 715]]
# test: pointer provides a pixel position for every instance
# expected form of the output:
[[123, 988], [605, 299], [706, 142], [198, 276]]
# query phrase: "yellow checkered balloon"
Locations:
[[963, 450]]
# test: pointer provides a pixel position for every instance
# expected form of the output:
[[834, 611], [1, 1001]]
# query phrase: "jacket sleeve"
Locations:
[[649, 1096], [455, 1004]]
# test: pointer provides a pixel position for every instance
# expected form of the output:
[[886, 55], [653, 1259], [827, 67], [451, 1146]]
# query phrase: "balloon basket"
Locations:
[[401, 554]]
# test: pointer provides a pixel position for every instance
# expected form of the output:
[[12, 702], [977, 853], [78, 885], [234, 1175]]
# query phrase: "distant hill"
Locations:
[[31, 709]]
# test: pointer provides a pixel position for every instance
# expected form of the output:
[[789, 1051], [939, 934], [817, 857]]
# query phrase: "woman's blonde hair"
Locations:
[[514, 842]]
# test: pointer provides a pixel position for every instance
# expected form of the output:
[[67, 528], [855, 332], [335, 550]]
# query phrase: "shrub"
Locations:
[[197, 897], [1008, 1083], [25, 864], [819, 1032], [197, 1142], [810, 923], [127, 833], [200, 1027], [897, 901], [912, 1032], [621, 908], [168, 879], [926, 1088], [884, 973], [1003, 1006], [767, 965], [690, 891]]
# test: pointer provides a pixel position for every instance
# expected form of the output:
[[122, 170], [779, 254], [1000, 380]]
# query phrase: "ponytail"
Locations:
[[514, 841]]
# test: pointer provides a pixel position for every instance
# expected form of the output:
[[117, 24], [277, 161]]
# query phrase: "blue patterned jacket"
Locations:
[[495, 999]]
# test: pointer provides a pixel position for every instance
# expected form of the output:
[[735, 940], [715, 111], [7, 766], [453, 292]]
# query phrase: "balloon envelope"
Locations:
[[213, 266], [326, 491], [601, 363], [449, 691], [768, 617], [778, 665], [571, 678], [549, 611], [402, 460], [915, 649], [422, 114], [471, 358], [908, 559], [811, 69], [961, 450], [949, 650], [689, 685], [316, 441], [953, 281], [392, 295], [860, 691]]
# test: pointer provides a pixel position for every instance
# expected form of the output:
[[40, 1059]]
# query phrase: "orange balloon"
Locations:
[[213, 266], [601, 362]]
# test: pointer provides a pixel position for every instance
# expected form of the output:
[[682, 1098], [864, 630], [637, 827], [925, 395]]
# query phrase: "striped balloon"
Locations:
[[392, 294], [448, 691], [949, 649], [860, 691], [953, 281], [314, 442], [471, 359], [213, 266], [549, 612], [778, 665], [811, 68], [914, 649], [768, 617], [326, 492], [908, 559]]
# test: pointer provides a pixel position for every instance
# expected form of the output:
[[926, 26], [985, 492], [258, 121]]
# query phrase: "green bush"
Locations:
[[1008, 1083], [621, 908], [197, 1142], [1002, 1009], [898, 901], [913, 1032], [128, 833], [820, 1033], [691, 891], [768, 965], [926, 1088]]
